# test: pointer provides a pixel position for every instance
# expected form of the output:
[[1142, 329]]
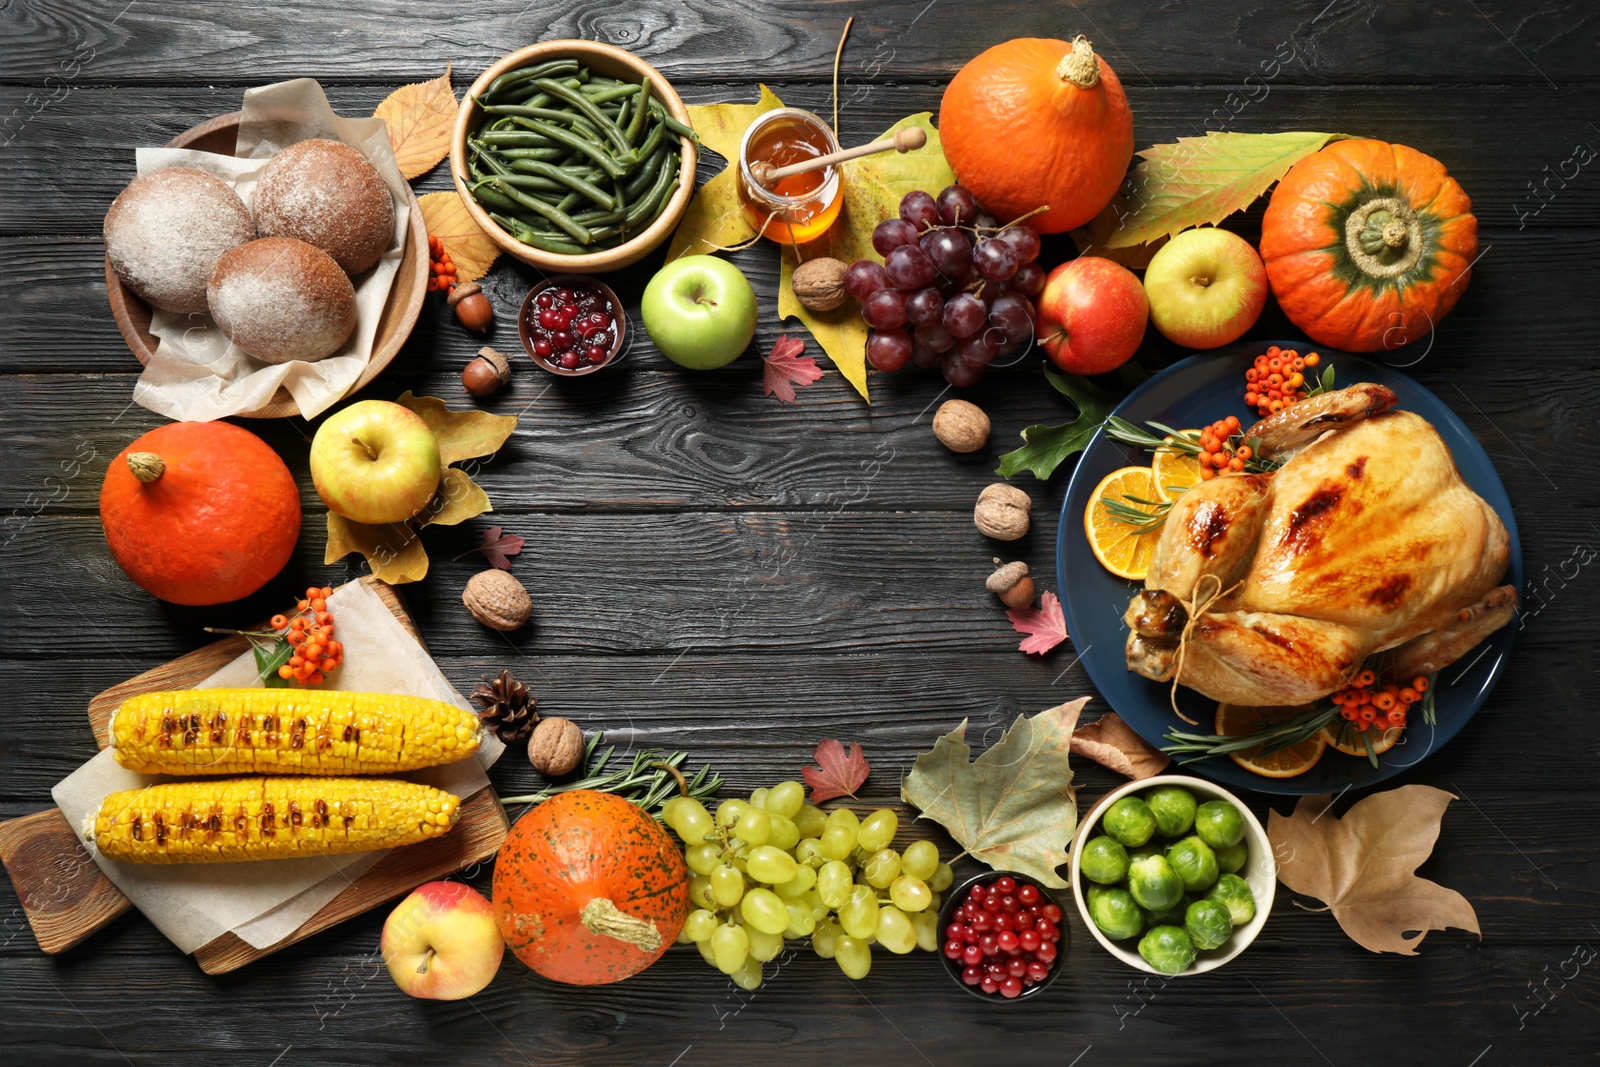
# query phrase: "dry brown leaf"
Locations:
[[471, 250], [1111, 742], [1363, 866], [419, 118]]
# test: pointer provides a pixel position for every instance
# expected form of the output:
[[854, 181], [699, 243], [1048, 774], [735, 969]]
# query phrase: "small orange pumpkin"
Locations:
[[1368, 244], [200, 512], [1038, 122], [588, 889]]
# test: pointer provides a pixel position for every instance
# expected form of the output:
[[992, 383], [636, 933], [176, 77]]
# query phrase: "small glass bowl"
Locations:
[[618, 316], [953, 899]]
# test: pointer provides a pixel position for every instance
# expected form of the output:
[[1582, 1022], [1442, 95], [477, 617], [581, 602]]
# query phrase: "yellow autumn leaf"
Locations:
[[715, 218], [469, 247], [840, 332], [461, 434], [419, 118], [720, 127], [394, 551], [459, 498]]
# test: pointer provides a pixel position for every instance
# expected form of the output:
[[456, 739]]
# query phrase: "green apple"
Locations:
[[375, 462], [700, 311], [1206, 287]]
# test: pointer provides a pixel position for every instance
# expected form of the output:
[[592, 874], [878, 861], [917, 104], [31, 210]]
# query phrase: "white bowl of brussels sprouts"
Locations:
[[1173, 875]]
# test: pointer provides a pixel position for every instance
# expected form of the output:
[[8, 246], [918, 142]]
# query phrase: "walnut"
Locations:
[[819, 283], [556, 747], [961, 426], [497, 600], [1002, 512]]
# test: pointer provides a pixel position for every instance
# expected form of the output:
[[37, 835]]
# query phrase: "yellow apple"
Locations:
[[442, 942], [375, 462]]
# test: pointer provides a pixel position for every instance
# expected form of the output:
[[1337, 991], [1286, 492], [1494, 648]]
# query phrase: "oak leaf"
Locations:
[[1201, 180], [1111, 742], [1363, 866], [498, 547], [715, 218], [471, 250], [837, 774], [1013, 808], [1045, 625], [419, 118], [786, 368]]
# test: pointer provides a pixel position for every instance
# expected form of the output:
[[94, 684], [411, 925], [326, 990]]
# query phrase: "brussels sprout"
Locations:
[[1129, 822], [1233, 893], [1173, 807], [1103, 861], [1172, 916], [1219, 823], [1152, 849], [1230, 859], [1195, 863], [1167, 949], [1208, 923], [1154, 884], [1115, 912]]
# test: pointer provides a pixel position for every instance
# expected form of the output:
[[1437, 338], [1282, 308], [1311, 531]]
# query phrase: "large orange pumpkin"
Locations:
[[200, 512], [588, 889], [1038, 122], [1368, 244]]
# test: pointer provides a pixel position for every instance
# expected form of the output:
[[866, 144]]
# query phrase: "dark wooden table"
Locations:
[[715, 571]]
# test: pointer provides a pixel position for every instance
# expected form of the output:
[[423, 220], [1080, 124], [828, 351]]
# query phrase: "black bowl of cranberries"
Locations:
[[1002, 936], [572, 325]]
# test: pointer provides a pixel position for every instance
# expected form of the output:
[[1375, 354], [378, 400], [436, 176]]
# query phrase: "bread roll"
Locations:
[[166, 231], [280, 299], [327, 194]]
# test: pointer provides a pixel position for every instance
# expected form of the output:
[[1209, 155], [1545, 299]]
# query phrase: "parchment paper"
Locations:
[[263, 902], [196, 374]]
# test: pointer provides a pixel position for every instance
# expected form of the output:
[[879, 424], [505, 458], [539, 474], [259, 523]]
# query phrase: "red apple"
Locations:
[[442, 942], [1206, 287], [1092, 314]]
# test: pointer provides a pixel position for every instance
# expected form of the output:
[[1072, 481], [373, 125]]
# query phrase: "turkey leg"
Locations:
[[1440, 648]]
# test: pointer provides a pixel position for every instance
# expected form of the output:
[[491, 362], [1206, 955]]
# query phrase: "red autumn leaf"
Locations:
[[786, 369], [498, 547], [1045, 625], [836, 774]]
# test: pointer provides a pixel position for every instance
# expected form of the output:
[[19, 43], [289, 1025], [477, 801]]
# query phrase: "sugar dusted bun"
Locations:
[[327, 194], [280, 299], [166, 231]]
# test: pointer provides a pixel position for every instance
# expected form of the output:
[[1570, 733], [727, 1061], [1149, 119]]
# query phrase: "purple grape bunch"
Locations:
[[953, 290]]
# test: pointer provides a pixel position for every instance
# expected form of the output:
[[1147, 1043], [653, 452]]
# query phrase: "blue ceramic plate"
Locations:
[[1199, 391]]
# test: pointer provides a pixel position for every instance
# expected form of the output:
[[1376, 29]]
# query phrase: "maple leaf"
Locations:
[[1363, 866], [472, 251], [498, 547], [1206, 179], [1013, 808], [836, 774], [1044, 447], [419, 118], [1111, 742], [1045, 625], [785, 369]]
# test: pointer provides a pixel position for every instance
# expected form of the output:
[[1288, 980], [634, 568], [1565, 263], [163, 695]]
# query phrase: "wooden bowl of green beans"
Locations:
[[574, 156]]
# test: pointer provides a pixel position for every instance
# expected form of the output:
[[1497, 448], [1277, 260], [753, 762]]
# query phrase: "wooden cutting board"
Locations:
[[67, 898]]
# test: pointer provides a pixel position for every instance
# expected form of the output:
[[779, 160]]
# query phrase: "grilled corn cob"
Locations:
[[288, 731], [267, 818]]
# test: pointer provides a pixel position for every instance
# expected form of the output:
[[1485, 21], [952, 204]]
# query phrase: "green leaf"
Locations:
[[1014, 808], [1044, 447], [1203, 180], [267, 663]]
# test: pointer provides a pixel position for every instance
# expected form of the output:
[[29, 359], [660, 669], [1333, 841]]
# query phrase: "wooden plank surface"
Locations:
[[707, 576]]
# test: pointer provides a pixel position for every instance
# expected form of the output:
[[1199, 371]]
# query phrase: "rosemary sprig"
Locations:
[[1271, 738], [1182, 443], [649, 781], [1137, 512]]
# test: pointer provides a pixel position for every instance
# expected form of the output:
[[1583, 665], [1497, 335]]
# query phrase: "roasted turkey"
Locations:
[[1365, 539]]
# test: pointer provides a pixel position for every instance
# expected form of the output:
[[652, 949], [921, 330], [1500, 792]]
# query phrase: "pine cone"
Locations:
[[508, 708]]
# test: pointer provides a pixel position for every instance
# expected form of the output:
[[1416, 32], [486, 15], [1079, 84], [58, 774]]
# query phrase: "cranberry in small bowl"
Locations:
[[1002, 936], [572, 325]]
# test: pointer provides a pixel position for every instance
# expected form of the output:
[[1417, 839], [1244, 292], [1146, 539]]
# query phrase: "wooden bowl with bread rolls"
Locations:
[[406, 295]]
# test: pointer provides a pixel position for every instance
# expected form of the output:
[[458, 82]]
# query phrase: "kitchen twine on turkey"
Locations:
[[1195, 607]]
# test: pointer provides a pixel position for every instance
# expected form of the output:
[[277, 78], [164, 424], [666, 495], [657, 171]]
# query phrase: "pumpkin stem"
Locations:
[[600, 916], [1384, 237], [683, 783], [146, 466], [1079, 66], [1394, 233]]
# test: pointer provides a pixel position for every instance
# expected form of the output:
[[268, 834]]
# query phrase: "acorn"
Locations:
[[1010, 582], [471, 306]]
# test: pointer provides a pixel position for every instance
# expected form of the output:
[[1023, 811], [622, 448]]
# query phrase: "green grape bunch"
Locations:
[[776, 868]]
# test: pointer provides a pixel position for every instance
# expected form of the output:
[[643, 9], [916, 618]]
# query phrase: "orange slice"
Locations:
[[1173, 472], [1122, 548], [1284, 763], [1352, 746]]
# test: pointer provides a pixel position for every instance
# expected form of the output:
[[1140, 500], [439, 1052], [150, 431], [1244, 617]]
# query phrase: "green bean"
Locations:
[[538, 70], [588, 148], [545, 155], [588, 110], [494, 163], [672, 124], [490, 198], [649, 207], [604, 94], [641, 181], [641, 105], [651, 147], [555, 177], [597, 217], [570, 201], [536, 182], [539, 207], [517, 139]]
